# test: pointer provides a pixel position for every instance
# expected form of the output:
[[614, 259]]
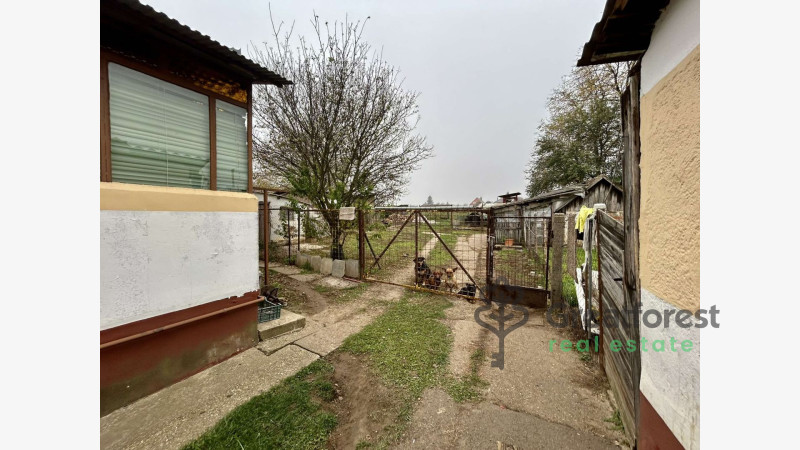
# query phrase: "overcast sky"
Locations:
[[483, 69]]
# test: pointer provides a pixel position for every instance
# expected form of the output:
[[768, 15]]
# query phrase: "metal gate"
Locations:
[[518, 259], [433, 249], [462, 251]]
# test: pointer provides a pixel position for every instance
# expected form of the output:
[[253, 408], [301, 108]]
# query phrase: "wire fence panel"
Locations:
[[311, 232], [439, 250], [520, 255]]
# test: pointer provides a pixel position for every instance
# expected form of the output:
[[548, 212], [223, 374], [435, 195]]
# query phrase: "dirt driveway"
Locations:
[[540, 399]]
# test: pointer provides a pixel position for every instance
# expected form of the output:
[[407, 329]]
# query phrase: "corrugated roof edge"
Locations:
[[234, 57]]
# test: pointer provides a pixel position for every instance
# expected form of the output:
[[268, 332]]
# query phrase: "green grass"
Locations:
[[567, 281], [469, 387], [439, 257], [342, 295], [616, 421], [409, 347], [291, 415]]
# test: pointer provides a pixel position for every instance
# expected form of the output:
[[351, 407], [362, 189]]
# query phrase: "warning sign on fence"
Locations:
[[347, 213]]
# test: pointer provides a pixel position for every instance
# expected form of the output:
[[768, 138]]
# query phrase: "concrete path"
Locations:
[[176, 415]]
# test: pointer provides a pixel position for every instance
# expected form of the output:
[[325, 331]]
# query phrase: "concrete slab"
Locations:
[[302, 260], [325, 266], [315, 262], [287, 322], [338, 268], [274, 344], [329, 339], [286, 270], [174, 416], [351, 268], [306, 277]]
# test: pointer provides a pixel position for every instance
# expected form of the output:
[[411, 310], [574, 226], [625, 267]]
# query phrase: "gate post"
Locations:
[[489, 254], [556, 260], [362, 257], [572, 261], [416, 244]]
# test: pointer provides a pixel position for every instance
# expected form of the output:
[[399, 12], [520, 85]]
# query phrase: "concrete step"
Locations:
[[288, 322]]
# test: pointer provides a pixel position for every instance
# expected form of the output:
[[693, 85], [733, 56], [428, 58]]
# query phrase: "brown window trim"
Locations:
[[107, 57], [250, 139], [105, 122]]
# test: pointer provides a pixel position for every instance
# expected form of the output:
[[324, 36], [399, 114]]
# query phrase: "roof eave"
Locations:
[[623, 32]]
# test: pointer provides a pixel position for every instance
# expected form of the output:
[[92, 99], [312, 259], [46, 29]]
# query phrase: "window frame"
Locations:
[[107, 57]]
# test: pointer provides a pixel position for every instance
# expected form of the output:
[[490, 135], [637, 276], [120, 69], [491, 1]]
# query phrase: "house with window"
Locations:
[[661, 178], [178, 219]]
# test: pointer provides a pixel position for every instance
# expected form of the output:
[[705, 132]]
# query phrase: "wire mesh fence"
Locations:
[[311, 232], [448, 250], [520, 253], [441, 250]]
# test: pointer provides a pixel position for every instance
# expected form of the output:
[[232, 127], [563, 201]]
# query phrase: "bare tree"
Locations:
[[344, 133]]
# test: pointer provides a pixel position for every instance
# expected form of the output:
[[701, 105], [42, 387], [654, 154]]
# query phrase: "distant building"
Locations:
[[508, 198], [568, 199]]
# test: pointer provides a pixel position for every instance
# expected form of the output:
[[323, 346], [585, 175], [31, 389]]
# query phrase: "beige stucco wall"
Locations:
[[669, 222]]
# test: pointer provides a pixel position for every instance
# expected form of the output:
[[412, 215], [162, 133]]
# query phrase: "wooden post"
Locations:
[[572, 258], [556, 260], [266, 239], [599, 223]]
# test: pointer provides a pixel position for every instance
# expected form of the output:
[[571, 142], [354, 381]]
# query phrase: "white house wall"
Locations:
[[675, 35], [156, 262]]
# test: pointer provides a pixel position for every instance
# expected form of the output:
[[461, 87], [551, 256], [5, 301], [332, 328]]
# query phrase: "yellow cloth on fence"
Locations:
[[580, 221]]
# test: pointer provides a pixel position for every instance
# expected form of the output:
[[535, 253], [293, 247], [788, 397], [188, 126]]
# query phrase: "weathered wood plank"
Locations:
[[556, 258]]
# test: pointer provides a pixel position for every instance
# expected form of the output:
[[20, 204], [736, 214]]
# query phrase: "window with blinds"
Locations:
[[159, 131], [232, 171]]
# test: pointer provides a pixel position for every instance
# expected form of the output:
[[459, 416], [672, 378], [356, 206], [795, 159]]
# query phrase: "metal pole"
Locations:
[[362, 257], [298, 231], [489, 254], [289, 233], [416, 243]]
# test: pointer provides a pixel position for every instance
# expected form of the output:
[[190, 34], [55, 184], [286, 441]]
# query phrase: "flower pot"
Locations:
[[509, 242]]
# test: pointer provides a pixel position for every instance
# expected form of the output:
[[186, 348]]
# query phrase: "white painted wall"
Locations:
[[155, 262], [671, 380], [676, 34]]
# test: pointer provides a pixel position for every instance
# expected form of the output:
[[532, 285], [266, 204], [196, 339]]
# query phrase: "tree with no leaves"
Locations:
[[344, 133], [581, 137]]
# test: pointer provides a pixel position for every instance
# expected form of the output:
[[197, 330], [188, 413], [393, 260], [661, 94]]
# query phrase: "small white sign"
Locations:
[[347, 213]]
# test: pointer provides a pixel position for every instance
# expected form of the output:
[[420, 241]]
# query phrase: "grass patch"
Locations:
[[469, 387], [568, 281], [342, 295], [616, 421], [408, 347], [291, 415]]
